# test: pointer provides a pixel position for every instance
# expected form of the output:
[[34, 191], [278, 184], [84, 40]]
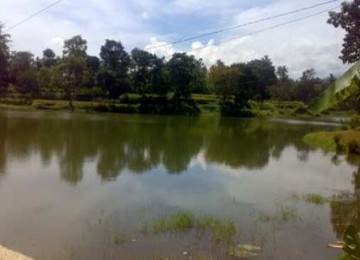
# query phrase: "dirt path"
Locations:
[[7, 254]]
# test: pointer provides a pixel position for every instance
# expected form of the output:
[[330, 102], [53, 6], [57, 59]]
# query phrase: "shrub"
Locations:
[[354, 122], [354, 147]]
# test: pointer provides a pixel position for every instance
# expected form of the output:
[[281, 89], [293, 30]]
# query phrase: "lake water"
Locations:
[[82, 186]]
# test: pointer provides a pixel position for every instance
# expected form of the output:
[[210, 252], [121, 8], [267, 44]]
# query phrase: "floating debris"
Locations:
[[244, 250], [337, 245]]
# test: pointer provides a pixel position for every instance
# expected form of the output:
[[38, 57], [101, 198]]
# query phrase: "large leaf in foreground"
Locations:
[[347, 85]]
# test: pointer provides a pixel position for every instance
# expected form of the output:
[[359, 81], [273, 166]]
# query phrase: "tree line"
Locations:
[[163, 85]]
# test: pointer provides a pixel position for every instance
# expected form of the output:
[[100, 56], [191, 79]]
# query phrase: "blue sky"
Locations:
[[311, 43]]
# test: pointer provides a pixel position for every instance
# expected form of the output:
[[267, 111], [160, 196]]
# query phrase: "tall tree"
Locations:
[[4, 57], [114, 76], [22, 72], [49, 57], [159, 78], [142, 66], [349, 20], [285, 87], [282, 74], [199, 83], [224, 80], [247, 87], [265, 73], [309, 86], [91, 71], [74, 63], [93, 63], [183, 74], [75, 46], [114, 57]]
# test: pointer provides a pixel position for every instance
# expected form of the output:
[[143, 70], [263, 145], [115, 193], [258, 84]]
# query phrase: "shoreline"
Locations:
[[7, 254]]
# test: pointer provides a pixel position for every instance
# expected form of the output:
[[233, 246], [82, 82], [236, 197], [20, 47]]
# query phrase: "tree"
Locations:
[[114, 76], [265, 73], [159, 78], [93, 64], [114, 57], [309, 86], [92, 68], [49, 57], [282, 73], [142, 66], [199, 83], [74, 64], [44, 79], [247, 87], [183, 74], [75, 46], [22, 72], [285, 87], [4, 57], [348, 19], [223, 80]]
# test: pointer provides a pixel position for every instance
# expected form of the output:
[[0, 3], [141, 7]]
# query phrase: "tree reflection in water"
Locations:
[[345, 208], [141, 143]]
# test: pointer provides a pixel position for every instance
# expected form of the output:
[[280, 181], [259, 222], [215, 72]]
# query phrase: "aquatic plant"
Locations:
[[313, 198], [351, 243], [221, 231]]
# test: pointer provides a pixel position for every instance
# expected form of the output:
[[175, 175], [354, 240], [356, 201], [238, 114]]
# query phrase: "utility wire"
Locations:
[[33, 15], [242, 25], [263, 30]]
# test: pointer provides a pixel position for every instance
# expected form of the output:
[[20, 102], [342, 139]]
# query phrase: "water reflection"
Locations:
[[345, 208], [138, 144]]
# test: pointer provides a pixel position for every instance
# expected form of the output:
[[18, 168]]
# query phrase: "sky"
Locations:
[[309, 43]]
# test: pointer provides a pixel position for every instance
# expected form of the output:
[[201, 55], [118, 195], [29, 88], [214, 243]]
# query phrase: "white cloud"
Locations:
[[161, 49], [308, 43]]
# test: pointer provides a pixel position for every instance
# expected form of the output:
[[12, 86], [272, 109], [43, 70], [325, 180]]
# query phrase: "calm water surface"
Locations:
[[70, 183]]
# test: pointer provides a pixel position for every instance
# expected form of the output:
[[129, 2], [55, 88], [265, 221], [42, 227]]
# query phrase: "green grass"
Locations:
[[326, 140], [282, 214], [129, 103], [313, 198]]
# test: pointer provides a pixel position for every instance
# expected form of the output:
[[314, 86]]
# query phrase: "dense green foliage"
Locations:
[[349, 20]]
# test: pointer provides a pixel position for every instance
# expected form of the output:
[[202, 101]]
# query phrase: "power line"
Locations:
[[33, 15], [264, 29], [241, 25]]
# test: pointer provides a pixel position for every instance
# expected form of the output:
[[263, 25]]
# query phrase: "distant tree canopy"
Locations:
[[349, 20], [239, 83], [162, 85]]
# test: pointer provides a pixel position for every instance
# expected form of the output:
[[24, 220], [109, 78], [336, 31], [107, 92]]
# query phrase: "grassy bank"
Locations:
[[205, 104], [342, 141]]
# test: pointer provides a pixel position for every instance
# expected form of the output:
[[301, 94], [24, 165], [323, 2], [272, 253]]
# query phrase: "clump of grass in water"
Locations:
[[313, 198], [176, 223], [281, 215], [222, 231], [119, 239]]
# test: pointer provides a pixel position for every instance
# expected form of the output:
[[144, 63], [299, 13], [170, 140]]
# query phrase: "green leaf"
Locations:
[[352, 242], [347, 85]]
